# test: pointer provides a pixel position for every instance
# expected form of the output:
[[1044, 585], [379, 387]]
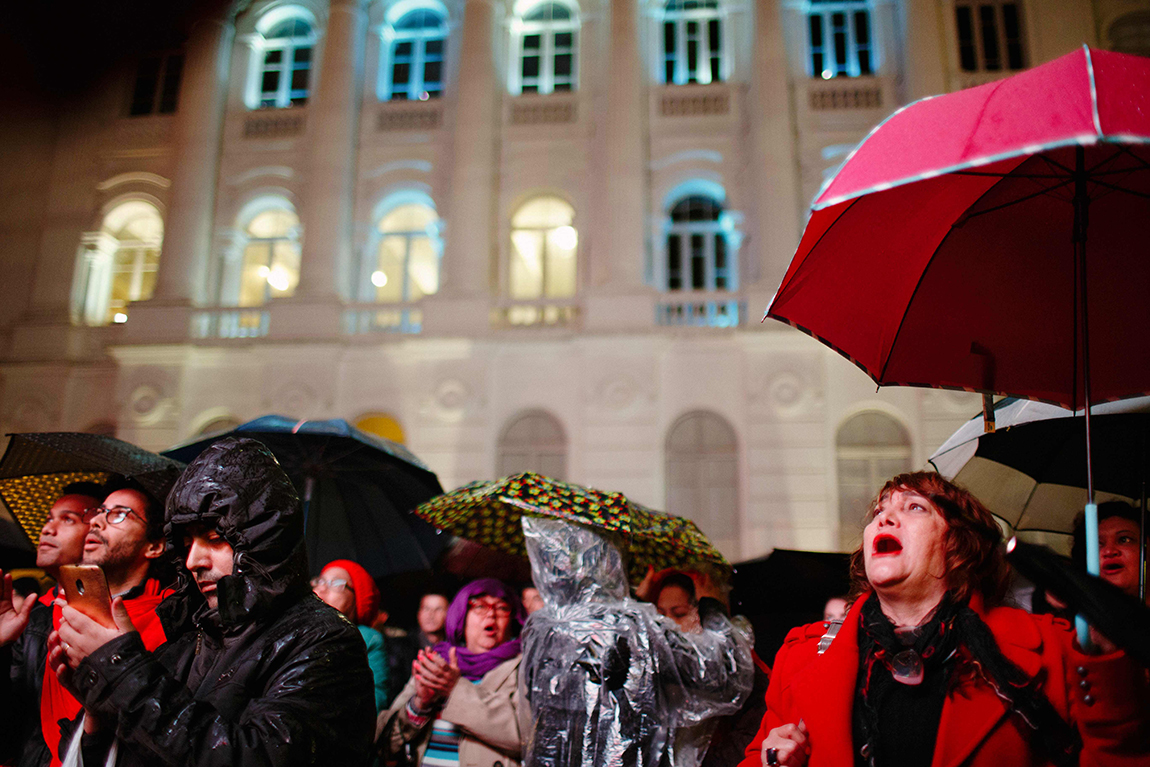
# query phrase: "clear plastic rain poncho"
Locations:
[[605, 680]]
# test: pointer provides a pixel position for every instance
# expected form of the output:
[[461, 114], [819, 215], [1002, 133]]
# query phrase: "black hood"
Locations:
[[237, 486]]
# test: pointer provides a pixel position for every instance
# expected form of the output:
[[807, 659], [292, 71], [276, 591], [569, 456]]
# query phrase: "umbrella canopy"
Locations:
[[36, 468], [489, 513], [357, 490], [948, 250]]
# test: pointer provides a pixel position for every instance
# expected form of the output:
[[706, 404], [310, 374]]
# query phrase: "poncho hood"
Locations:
[[573, 563]]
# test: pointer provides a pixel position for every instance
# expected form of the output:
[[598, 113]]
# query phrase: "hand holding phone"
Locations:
[[86, 590]]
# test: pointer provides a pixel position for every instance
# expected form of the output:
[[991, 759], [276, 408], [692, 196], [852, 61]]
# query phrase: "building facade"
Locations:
[[516, 234]]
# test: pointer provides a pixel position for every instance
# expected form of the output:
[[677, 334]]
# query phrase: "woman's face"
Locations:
[[342, 599], [488, 619], [904, 547], [1118, 553]]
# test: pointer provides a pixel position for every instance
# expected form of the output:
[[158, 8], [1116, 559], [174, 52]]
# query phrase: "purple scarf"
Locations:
[[474, 665]]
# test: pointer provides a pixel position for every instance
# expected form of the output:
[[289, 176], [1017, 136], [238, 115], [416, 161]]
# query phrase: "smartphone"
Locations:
[[86, 589]]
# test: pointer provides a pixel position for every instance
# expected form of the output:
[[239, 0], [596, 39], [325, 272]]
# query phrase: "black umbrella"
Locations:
[[36, 468], [357, 490], [786, 589]]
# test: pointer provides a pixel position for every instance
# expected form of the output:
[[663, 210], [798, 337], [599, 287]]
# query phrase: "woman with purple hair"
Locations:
[[460, 706]]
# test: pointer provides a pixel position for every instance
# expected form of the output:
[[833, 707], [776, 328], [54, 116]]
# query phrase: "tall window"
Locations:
[[407, 264], [120, 263], [841, 38], [697, 246], [692, 42], [543, 250], [547, 39], [702, 475], [870, 448], [157, 86], [285, 72], [271, 257], [416, 43], [535, 442], [989, 35]]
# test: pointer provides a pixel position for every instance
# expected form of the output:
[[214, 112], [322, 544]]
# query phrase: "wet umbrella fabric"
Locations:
[[489, 514], [37, 466], [357, 489]]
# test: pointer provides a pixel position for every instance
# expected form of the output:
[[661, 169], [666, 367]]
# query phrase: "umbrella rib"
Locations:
[[1115, 188], [1039, 193]]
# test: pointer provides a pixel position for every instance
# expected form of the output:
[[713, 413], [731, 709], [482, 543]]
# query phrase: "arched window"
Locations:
[[702, 475], [406, 267], [285, 67], [533, 441], [270, 263], [698, 253], [546, 37], [1131, 33], [543, 250], [120, 262], [870, 448], [692, 42], [989, 35], [416, 45], [841, 38]]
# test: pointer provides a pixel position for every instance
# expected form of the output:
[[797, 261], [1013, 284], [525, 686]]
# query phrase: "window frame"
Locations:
[[261, 44], [825, 10], [542, 232], [98, 263], [979, 43], [434, 235], [391, 36], [545, 82], [679, 60], [720, 228]]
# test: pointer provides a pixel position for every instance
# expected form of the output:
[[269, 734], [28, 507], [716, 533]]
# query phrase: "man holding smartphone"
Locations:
[[125, 539], [24, 633], [271, 676]]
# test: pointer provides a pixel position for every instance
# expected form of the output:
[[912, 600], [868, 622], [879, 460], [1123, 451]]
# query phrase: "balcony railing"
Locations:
[[274, 123], [845, 93], [409, 116], [543, 313], [382, 318], [230, 323], [707, 310]]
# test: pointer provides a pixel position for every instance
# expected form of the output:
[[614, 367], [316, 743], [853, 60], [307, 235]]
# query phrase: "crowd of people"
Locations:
[[221, 650]]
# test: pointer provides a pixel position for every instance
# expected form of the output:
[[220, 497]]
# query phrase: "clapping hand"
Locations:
[[434, 677]]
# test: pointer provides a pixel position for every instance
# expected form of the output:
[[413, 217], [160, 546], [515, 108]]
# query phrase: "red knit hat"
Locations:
[[366, 592]]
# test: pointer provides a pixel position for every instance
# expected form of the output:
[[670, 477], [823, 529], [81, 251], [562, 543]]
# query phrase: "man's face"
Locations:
[[1118, 553], [62, 537], [675, 603], [432, 614], [120, 544], [209, 558]]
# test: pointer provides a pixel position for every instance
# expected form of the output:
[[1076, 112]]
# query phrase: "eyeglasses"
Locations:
[[335, 584], [114, 515], [500, 609]]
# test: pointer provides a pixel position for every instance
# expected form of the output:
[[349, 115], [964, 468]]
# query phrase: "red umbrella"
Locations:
[[950, 250]]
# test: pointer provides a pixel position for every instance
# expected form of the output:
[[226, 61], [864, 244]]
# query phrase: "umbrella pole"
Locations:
[[1081, 222]]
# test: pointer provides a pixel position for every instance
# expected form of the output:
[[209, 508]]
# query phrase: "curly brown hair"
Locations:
[[974, 558]]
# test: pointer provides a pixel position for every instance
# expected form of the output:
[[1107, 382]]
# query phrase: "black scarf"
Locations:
[[897, 724]]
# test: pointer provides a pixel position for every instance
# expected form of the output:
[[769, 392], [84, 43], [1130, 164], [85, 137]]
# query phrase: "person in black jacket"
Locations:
[[270, 676]]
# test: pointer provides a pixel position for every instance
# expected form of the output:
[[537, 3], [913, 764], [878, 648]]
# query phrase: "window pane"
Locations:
[[986, 17], [561, 246], [564, 39], [413, 217], [299, 80], [271, 82], [253, 279], [147, 76], [526, 264], [434, 47], [391, 256], [674, 263], [543, 213], [432, 72], [284, 275], [720, 262], [302, 55], [668, 37], [839, 25], [401, 74], [698, 262], [171, 91], [818, 63], [714, 37], [403, 48], [273, 57], [965, 23], [532, 42], [563, 65], [1013, 33], [422, 269], [530, 67]]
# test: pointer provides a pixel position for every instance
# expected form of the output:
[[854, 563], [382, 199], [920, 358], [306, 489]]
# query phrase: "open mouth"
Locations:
[[886, 544], [92, 541], [1113, 567]]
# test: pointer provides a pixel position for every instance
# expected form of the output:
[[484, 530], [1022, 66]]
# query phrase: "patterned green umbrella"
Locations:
[[488, 513]]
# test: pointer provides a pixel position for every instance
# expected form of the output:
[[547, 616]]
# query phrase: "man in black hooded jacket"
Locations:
[[270, 676]]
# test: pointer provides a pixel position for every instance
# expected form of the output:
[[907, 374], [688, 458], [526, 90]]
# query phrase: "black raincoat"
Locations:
[[274, 676]]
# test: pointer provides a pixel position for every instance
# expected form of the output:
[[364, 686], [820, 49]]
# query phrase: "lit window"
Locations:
[[270, 266], [702, 475], [546, 37], [698, 253], [543, 250], [120, 263], [407, 265], [692, 42], [414, 66], [871, 448], [157, 86], [989, 36], [285, 69], [841, 38], [535, 442]]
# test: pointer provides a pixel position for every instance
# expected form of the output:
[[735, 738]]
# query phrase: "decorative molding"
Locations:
[[408, 116], [534, 110], [849, 96], [141, 177], [274, 124], [676, 103]]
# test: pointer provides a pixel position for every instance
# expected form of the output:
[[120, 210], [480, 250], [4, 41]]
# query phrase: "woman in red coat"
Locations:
[[927, 670]]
